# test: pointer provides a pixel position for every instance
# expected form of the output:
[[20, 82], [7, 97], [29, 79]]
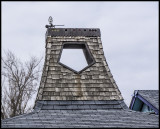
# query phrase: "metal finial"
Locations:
[[50, 19]]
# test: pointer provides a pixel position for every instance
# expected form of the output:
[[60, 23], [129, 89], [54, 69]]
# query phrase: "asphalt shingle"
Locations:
[[86, 116], [152, 96]]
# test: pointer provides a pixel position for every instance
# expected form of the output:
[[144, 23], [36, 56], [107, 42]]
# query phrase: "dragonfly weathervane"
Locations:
[[50, 20]]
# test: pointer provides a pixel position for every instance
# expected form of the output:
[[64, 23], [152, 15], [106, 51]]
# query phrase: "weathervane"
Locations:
[[50, 20]]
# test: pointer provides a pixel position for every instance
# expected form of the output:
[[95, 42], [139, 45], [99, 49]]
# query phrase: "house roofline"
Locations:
[[136, 95]]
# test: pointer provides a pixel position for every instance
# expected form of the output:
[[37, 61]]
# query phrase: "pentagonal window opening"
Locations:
[[73, 62], [75, 56]]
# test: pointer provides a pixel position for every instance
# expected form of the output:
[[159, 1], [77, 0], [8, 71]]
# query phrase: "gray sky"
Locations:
[[129, 33]]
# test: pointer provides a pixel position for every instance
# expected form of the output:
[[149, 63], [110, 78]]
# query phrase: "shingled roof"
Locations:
[[89, 98], [152, 96], [81, 114], [147, 97]]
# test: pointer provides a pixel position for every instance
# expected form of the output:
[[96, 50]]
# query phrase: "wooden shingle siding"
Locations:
[[83, 86]]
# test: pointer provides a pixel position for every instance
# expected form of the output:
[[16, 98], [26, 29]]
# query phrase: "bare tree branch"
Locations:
[[21, 83]]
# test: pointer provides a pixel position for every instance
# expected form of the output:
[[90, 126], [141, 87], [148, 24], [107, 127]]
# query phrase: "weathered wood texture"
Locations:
[[60, 83]]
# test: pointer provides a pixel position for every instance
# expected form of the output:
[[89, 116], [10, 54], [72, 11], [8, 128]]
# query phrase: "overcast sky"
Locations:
[[129, 33]]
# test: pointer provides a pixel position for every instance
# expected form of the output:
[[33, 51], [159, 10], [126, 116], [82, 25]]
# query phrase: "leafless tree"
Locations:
[[19, 84]]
